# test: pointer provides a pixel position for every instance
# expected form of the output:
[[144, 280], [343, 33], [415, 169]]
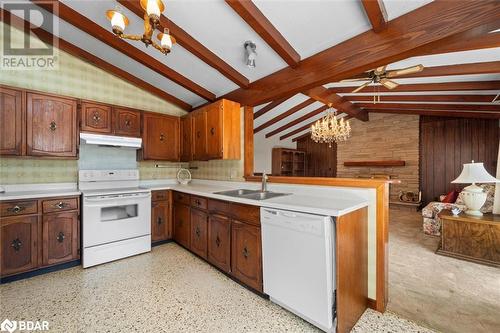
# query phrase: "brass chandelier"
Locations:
[[152, 12], [329, 129]]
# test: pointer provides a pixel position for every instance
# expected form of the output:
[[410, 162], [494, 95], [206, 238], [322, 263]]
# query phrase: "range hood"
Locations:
[[110, 140]]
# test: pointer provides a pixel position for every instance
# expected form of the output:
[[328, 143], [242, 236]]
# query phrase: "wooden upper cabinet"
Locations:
[[127, 122], [160, 137], [200, 135], [51, 126], [186, 139], [96, 118], [11, 122], [214, 131]]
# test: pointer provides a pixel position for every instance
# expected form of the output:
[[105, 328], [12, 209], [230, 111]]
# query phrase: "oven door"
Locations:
[[112, 218]]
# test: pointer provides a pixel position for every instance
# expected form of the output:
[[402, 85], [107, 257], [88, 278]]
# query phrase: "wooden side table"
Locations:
[[471, 238]]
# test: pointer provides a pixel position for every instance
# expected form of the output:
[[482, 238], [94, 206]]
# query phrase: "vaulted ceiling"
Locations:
[[305, 48]]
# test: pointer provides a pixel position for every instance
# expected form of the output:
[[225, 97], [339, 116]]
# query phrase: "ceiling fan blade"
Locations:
[[361, 87], [389, 84], [356, 79], [405, 71], [379, 70]]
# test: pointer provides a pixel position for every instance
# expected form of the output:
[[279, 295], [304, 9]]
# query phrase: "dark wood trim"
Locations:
[[443, 86], [422, 106], [107, 37], [67, 47], [325, 96], [248, 145], [297, 121], [408, 35], [424, 98], [386, 163], [249, 12], [191, 44], [269, 107], [375, 10], [456, 114], [283, 115], [371, 303]]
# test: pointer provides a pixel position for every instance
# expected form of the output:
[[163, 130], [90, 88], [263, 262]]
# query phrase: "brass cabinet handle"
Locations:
[[198, 134], [96, 117], [127, 123], [16, 244], [198, 202], [246, 253], [197, 232], [16, 209], [160, 221], [60, 205], [212, 131], [53, 125], [217, 241], [60, 237], [162, 137]]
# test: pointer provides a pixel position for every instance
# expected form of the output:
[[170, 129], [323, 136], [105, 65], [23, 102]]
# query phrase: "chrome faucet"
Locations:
[[264, 182]]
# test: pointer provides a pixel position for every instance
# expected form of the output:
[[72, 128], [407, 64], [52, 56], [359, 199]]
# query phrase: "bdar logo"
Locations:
[[8, 325]]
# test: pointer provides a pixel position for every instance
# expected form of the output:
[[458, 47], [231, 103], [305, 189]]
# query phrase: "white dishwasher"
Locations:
[[298, 254]]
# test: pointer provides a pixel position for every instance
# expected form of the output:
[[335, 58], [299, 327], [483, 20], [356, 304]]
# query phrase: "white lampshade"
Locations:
[[153, 8], [475, 173], [166, 41]]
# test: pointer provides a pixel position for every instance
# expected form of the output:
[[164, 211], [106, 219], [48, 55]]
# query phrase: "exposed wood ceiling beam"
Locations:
[[297, 121], [283, 115], [249, 12], [67, 47], [422, 106], [442, 86], [405, 36], [191, 44], [83, 23], [458, 114], [269, 107], [424, 98], [375, 10], [474, 39], [325, 96]]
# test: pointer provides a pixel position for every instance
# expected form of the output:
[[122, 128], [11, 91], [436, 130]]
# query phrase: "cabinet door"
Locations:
[[219, 242], [60, 237], [11, 122], [182, 225], [96, 118], [199, 220], [186, 139], [214, 131], [51, 126], [200, 135], [19, 244], [127, 122], [159, 221], [246, 256], [161, 138]]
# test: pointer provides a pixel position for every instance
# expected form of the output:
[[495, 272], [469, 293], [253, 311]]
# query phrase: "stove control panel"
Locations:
[[107, 175]]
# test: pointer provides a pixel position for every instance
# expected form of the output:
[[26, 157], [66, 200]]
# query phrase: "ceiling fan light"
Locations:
[[118, 21]]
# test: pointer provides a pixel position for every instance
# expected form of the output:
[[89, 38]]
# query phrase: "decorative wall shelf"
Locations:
[[387, 163]]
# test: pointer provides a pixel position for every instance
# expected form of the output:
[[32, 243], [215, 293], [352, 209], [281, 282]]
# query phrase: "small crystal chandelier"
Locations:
[[329, 129]]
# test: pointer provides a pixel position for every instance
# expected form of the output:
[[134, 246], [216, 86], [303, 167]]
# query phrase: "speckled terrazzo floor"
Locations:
[[167, 290], [444, 293]]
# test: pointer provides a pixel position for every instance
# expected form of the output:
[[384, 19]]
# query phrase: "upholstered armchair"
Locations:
[[431, 221]]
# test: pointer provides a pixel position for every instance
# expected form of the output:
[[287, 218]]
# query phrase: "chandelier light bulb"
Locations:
[[166, 41], [329, 129], [118, 21], [153, 10]]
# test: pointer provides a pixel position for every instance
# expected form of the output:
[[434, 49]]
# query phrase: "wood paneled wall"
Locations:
[[446, 144], [321, 161]]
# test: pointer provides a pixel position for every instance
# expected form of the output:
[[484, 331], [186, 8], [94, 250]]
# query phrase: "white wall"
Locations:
[[263, 147]]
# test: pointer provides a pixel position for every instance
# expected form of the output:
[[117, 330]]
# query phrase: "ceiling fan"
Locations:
[[383, 76]]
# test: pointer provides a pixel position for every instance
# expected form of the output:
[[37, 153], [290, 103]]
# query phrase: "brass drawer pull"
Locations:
[[217, 241], [246, 253], [16, 244], [53, 125], [60, 237], [16, 209], [212, 131], [197, 232], [162, 137], [127, 123], [61, 205], [159, 220]]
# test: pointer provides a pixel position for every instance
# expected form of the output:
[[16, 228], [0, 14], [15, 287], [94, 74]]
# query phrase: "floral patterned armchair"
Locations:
[[431, 221]]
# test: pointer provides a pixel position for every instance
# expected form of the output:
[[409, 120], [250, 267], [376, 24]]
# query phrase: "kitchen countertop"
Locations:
[[36, 191], [320, 205]]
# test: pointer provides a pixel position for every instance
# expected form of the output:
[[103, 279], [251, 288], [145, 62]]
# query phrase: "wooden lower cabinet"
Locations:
[[182, 224], [19, 244], [161, 223], [60, 238], [199, 229], [219, 242], [246, 254]]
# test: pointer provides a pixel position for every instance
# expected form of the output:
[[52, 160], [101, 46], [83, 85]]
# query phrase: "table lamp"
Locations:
[[474, 197]]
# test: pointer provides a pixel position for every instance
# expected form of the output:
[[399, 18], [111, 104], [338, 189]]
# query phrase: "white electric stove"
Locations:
[[116, 215]]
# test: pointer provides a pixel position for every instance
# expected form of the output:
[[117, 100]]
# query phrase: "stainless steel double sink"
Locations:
[[251, 194]]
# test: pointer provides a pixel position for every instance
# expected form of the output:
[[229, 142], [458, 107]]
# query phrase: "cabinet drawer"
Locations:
[[182, 198], [57, 205], [219, 206], [159, 195], [14, 208], [246, 213], [199, 202]]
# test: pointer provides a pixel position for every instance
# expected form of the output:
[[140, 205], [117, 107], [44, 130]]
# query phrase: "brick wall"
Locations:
[[384, 137]]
